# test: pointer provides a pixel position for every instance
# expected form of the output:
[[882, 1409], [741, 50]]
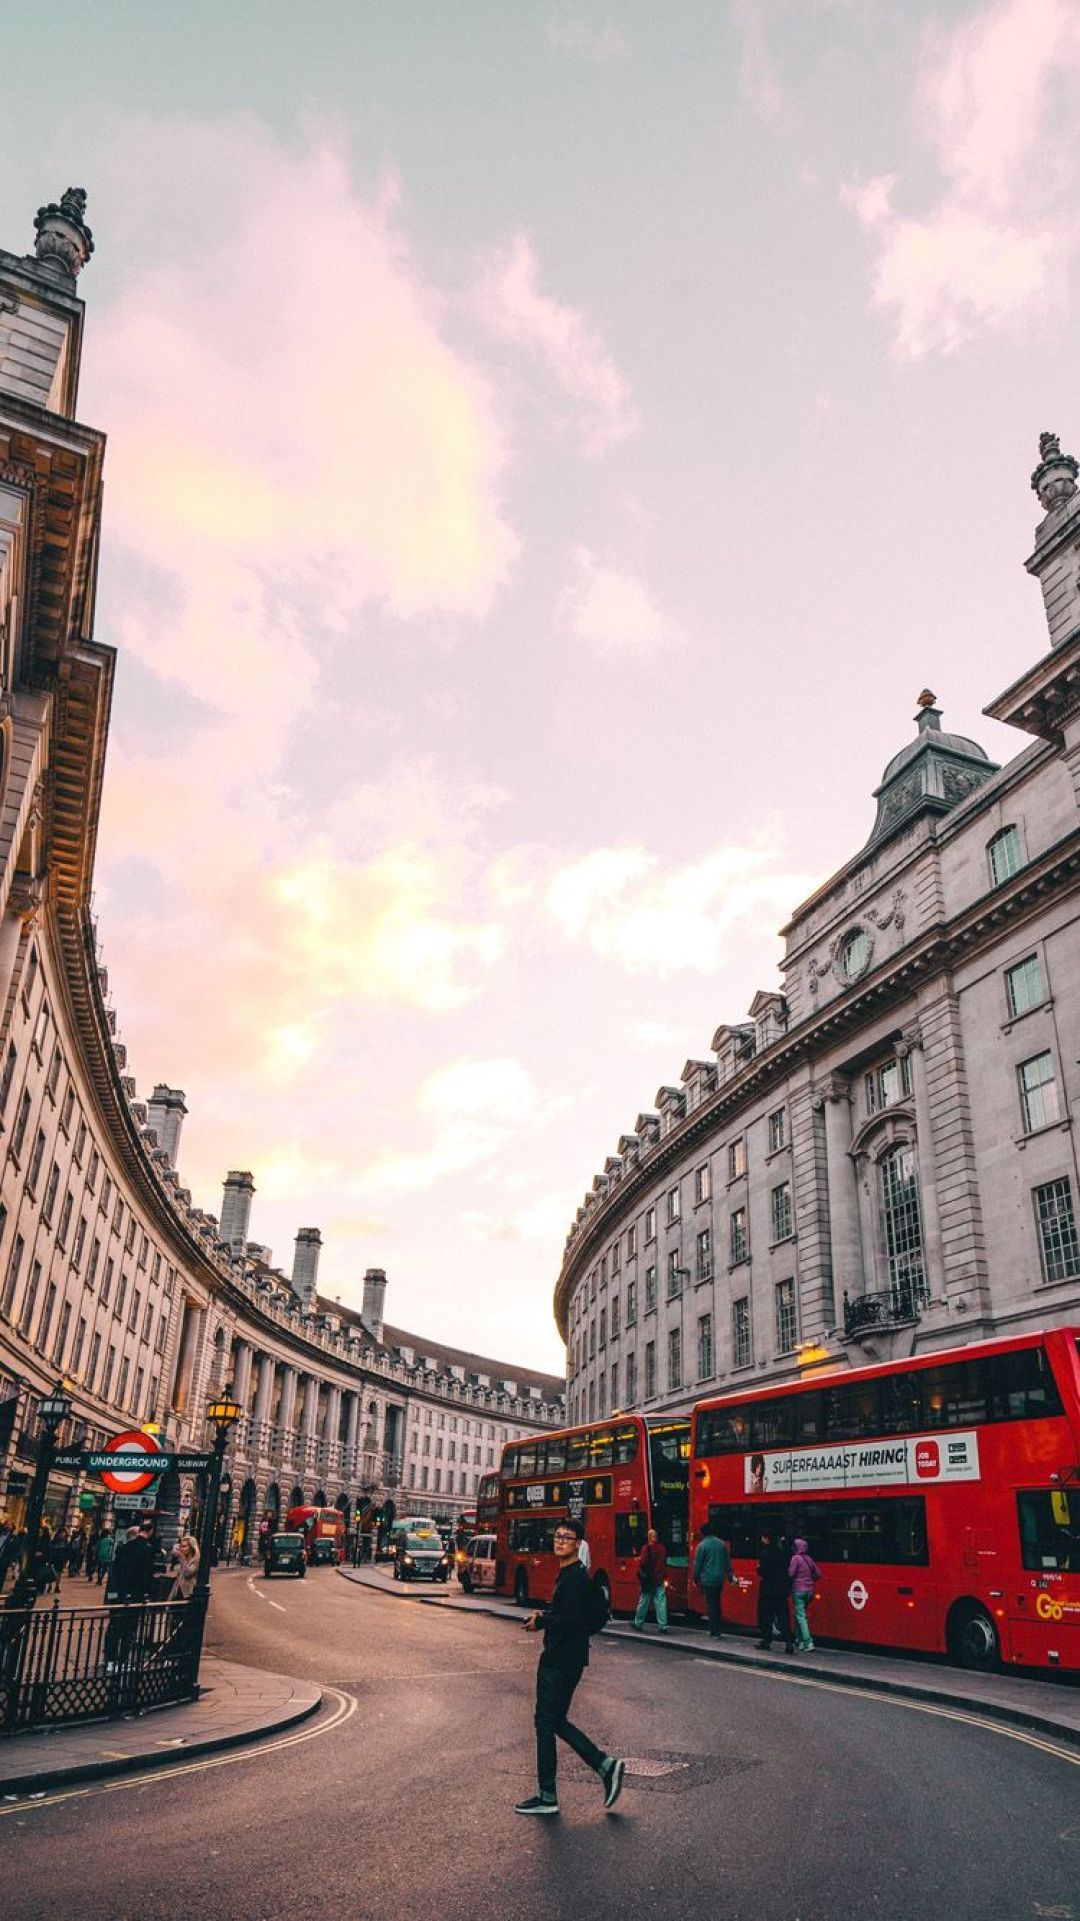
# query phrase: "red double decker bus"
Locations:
[[940, 1497], [620, 1477], [487, 1503]]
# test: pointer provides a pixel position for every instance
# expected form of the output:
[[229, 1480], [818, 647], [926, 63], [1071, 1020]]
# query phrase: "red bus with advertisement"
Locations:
[[940, 1497], [487, 1503], [323, 1529], [620, 1477]]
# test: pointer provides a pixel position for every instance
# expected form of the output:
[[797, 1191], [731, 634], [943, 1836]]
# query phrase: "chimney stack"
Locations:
[[374, 1299], [305, 1271], [236, 1208], [165, 1114]]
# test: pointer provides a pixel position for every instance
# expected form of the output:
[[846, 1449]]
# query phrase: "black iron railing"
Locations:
[[82, 1664], [893, 1307]]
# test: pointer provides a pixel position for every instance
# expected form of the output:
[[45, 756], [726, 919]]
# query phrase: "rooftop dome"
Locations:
[[931, 774]]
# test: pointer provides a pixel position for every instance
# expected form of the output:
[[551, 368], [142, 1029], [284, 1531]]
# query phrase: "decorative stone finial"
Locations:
[[64, 242], [1054, 479], [928, 716], [926, 699]]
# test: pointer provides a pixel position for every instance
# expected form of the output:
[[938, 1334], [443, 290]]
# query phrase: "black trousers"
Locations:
[[714, 1608], [773, 1615], [554, 1693]]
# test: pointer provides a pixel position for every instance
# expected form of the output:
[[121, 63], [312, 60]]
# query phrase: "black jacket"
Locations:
[[773, 1569], [566, 1621], [132, 1570]]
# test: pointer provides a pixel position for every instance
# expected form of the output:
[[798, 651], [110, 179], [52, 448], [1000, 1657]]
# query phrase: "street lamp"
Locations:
[[53, 1410], [223, 1413]]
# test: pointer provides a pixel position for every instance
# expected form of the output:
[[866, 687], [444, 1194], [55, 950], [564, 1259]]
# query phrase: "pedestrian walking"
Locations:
[[804, 1574], [76, 1550], [58, 1555], [652, 1580], [106, 1546], [130, 1576], [774, 1590], [565, 1623], [712, 1567], [185, 1564], [8, 1550]]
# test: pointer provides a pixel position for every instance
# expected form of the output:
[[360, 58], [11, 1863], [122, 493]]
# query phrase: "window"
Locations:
[[12, 1280], [592, 1340], [95, 1256], [1024, 987], [1038, 1092], [780, 1211], [92, 1364], [902, 1223], [26, 1318], [61, 1334], [603, 1327], [121, 1297], [650, 1289], [106, 1193], [601, 1394], [736, 1159], [650, 1370], [888, 1083], [614, 1317], [742, 1350], [785, 1317], [49, 1202], [106, 1285], [31, 978], [777, 1130], [80, 1143], [631, 1303], [740, 1245], [36, 1159], [80, 1342], [19, 1135], [650, 1223], [704, 1254], [9, 1075], [853, 954], [1003, 853], [67, 1110], [1059, 1247], [674, 1358], [118, 1216], [110, 1364], [80, 1242], [140, 1377], [122, 1383], [674, 1274], [65, 1220], [616, 1250], [631, 1379], [54, 1072], [1050, 1530], [631, 1243], [92, 1170], [129, 1237], [41, 1031], [704, 1348], [702, 1184], [148, 1321], [614, 1385], [672, 1205]]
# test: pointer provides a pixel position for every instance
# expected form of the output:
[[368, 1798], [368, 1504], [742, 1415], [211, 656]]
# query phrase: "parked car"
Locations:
[[421, 1556], [284, 1555], [478, 1567]]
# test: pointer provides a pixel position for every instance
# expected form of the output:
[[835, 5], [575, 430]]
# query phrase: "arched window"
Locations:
[[1004, 855], [901, 1217]]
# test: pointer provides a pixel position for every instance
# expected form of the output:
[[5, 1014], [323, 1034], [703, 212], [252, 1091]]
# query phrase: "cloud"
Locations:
[[572, 351], [610, 609], [601, 45], [473, 1109], [994, 106], [620, 904], [758, 79]]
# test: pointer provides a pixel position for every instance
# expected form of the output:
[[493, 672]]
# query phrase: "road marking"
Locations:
[[149, 1777], [257, 1592], [273, 1604]]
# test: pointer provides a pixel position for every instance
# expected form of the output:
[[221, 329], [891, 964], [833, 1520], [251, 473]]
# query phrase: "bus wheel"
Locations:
[[973, 1638], [521, 1589]]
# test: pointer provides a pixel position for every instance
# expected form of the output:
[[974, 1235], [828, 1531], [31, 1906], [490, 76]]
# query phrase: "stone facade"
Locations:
[[109, 1275], [882, 1158]]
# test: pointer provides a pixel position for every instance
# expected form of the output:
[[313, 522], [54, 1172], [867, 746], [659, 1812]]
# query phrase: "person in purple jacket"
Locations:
[[804, 1574]]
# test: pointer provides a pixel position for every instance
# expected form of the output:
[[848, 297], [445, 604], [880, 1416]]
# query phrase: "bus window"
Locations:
[[630, 1534], [1024, 1385], [526, 1466], [771, 1422], [626, 1446], [901, 1403], [510, 1463], [1050, 1530], [852, 1411], [577, 1454], [531, 1534], [556, 1456], [723, 1430], [600, 1451], [809, 1421]]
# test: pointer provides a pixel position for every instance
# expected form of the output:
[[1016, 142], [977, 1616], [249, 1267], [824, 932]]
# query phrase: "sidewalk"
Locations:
[[1025, 1700], [237, 1704]]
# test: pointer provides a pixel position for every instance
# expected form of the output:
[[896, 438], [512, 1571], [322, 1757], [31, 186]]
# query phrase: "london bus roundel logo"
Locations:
[[133, 1442], [858, 1594]]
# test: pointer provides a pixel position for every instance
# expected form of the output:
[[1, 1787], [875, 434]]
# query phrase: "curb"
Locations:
[[916, 1691], [149, 1763]]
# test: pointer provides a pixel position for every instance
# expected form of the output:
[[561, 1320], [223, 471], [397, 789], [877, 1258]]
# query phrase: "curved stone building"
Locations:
[[109, 1275], [881, 1158]]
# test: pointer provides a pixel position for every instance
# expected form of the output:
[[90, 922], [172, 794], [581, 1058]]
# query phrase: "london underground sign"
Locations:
[[132, 1482], [129, 1462]]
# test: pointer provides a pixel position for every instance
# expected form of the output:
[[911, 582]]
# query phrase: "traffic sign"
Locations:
[[138, 1459], [144, 1503], [135, 1444]]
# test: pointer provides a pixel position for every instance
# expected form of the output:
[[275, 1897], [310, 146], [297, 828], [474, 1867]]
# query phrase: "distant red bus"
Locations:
[[940, 1497], [487, 1503], [323, 1529], [620, 1478]]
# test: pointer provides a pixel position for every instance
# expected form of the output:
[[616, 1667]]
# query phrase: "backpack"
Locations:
[[599, 1611]]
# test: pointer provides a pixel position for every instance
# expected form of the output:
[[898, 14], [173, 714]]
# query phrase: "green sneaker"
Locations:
[[611, 1774], [538, 1804]]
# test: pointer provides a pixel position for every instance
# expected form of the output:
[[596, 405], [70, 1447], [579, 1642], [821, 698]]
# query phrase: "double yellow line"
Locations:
[[145, 1777]]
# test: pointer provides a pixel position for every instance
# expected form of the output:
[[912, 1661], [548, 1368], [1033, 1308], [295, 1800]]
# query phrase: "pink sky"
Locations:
[[549, 450]]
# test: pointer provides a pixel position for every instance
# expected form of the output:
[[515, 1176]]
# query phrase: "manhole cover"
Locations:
[[641, 1766]]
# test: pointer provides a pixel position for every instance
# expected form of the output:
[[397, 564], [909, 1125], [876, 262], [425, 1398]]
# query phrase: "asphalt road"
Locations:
[[755, 1797]]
